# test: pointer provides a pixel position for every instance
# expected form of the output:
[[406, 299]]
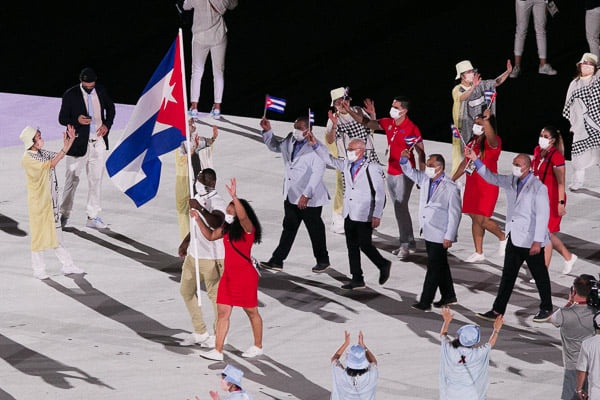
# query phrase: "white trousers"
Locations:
[[217, 55], [93, 161], [523, 9], [592, 29], [37, 257]]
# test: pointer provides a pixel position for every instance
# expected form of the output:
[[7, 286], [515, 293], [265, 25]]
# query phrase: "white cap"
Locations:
[[463, 66], [27, 136]]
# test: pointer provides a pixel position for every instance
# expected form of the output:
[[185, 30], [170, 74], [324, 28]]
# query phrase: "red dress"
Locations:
[[543, 168], [239, 284], [480, 197]]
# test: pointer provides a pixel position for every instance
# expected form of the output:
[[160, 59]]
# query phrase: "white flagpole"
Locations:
[[191, 177]]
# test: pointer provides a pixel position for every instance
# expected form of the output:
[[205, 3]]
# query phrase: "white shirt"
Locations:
[[589, 360], [204, 248]]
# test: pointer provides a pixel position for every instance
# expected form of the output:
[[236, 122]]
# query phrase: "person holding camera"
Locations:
[[575, 321]]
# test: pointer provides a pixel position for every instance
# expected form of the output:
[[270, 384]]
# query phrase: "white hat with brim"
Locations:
[[357, 358], [233, 375], [468, 335], [590, 58], [463, 66], [337, 94], [27, 136]]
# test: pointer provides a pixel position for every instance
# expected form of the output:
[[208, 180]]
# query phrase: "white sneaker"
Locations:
[[475, 257], [40, 274], [213, 355], [516, 71], [209, 343], [72, 269], [195, 338], [96, 223], [547, 69], [569, 264], [502, 247], [574, 187], [401, 252], [252, 351]]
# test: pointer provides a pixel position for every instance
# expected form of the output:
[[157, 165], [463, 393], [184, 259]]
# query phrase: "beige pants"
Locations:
[[210, 273]]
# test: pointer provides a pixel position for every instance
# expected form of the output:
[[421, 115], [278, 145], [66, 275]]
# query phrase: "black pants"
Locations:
[[513, 260], [359, 238], [437, 275], [314, 225]]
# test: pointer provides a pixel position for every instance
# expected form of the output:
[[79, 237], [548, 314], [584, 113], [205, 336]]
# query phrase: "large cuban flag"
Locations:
[[157, 126]]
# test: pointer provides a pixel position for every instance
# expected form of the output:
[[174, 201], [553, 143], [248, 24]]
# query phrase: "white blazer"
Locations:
[[359, 203], [304, 175], [526, 215], [440, 216]]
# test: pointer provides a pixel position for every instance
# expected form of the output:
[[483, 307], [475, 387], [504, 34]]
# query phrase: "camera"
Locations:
[[593, 299]]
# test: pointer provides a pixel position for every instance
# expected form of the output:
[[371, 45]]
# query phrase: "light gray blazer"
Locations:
[[304, 175], [358, 199], [526, 215], [440, 216]]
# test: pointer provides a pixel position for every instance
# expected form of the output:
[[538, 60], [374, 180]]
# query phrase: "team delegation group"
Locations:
[[217, 247]]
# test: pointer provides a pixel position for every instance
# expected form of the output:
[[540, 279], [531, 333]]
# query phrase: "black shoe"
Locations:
[[542, 316], [63, 221], [354, 285], [422, 307], [445, 302], [384, 273], [320, 268], [271, 266], [488, 316]]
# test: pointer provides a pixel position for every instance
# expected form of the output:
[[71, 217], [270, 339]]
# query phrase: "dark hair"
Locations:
[[583, 285], [232, 384], [456, 343], [304, 119], [439, 159], [555, 134], [404, 102], [356, 372], [235, 229], [210, 174]]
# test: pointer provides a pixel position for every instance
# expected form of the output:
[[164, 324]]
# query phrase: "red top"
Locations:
[[396, 138], [480, 197], [239, 284], [543, 168]]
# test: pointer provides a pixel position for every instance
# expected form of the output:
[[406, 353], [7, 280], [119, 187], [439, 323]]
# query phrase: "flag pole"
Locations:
[[265, 110], [191, 177]]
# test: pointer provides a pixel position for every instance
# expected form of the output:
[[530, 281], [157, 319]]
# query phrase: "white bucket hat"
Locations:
[[27, 136], [357, 358], [463, 66], [589, 57], [468, 335], [337, 94]]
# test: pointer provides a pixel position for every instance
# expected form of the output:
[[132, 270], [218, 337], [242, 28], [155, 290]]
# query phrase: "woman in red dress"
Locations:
[[548, 165], [479, 199], [239, 284]]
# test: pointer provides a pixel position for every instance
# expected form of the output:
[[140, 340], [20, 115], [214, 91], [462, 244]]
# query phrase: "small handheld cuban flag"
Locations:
[[456, 133], [411, 141], [274, 104], [311, 117], [492, 99]]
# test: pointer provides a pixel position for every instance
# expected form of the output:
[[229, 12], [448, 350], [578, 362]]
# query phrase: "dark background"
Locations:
[[300, 50]]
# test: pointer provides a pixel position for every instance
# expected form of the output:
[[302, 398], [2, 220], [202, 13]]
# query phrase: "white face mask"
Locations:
[[229, 218], [200, 189], [587, 70], [516, 171], [395, 113], [430, 172], [544, 143], [477, 130], [469, 77], [352, 155], [298, 135]]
